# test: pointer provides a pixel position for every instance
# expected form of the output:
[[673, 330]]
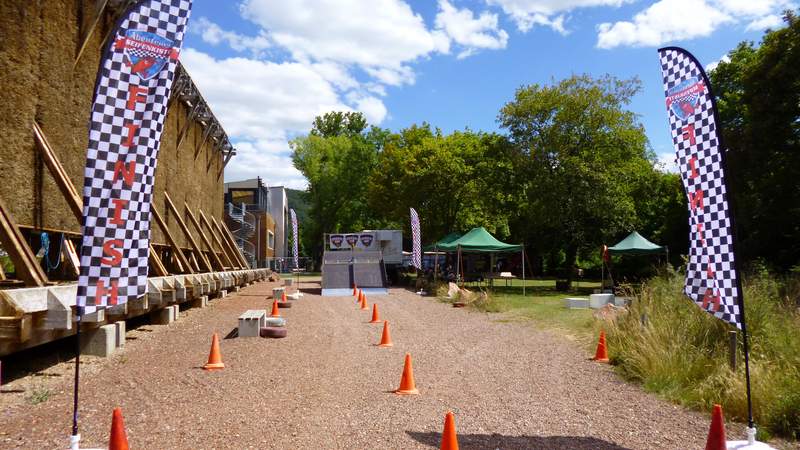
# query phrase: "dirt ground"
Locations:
[[327, 385]]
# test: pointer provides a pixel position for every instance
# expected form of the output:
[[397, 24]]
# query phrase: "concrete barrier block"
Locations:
[[101, 341], [200, 302], [120, 333], [599, 300], [575, 302], [163, 316]]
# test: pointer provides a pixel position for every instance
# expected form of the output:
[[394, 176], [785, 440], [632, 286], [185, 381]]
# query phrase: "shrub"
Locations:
[[681, 352]]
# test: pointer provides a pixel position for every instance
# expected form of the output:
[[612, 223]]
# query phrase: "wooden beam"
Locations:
[[198, 251], [210, 247], [74, 201], [232, 241], [85, 39], [189, 119], [155, 261], [172, 242], [225, 162], [232, 248], [206, 133], [71, 257], [2, 273], [231, 258], [25, 263]]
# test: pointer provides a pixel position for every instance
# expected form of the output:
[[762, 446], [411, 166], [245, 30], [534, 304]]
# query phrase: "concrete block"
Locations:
[[100, 341], [251, 322], [120, 333], [622, 301], [177, 309], [223, 293], [163, 316], [236, 289], [574, 302], [599, 300], [200, 302]]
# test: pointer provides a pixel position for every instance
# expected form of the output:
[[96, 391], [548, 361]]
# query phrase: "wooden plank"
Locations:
[[225, 162], [189, 120], [172, 242], [71, 257], [155, 261], [206, 133], [2, 273], [25, 263], [232, 241], [85, 39], [203, 236], [232, 249], [223, 248], [197, 250], [74, 201], [221, 241]]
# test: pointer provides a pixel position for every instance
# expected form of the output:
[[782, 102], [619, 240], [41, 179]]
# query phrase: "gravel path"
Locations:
[[327, 386]]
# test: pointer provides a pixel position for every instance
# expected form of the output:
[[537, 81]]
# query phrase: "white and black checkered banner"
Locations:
[[295, 248], [416, 241], [127, 119], [711, 276]]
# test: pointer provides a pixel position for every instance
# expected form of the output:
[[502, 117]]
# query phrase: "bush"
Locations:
[[681, 352]]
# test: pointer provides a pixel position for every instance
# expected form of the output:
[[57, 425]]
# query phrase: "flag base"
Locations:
[[750, 444], [75, 443]]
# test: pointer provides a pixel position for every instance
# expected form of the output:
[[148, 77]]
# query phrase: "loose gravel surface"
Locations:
[[510, 385]]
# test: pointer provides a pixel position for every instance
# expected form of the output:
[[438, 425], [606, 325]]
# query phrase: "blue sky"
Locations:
[[267, 67]]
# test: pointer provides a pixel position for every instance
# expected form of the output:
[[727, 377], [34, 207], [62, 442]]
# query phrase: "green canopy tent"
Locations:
[[478, 240], [636, 244], [445, 240]]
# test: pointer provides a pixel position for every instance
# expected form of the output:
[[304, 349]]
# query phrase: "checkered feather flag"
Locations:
[[712, 281], [127, 119], [416, 238], [295, 253]]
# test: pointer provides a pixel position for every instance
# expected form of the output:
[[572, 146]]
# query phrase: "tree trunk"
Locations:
[[569, 263]]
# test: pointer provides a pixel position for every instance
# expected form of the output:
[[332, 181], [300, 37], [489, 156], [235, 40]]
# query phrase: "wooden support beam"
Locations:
[[2, 273], [197, 250], [228, 157], [210, 247], [232, 248], [74, 201], [25, 263], [189, 119], [231, 257], [232, 241], [206, 133], [86, 36], [71, 257], [172, 242]]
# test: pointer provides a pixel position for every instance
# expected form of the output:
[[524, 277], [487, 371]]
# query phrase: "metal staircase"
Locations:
[[243, 229]]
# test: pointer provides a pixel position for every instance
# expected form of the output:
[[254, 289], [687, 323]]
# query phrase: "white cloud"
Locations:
[[211, 33], [666, 20], [551, 13], [713, 64], [772, 21], [666, 162], [262, 104], [382, 37], [472, 33]]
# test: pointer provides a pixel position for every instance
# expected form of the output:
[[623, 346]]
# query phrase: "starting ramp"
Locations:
[[340, 269]]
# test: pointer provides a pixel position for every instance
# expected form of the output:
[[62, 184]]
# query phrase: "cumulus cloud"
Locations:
[[468, 31], [713, 64], [551, 13], [666, 20], [212, 34]]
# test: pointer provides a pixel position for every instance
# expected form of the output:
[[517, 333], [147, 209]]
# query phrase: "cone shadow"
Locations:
[[483, 441]]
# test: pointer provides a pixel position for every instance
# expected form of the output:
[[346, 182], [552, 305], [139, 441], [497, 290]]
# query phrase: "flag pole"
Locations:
[[76, 437]]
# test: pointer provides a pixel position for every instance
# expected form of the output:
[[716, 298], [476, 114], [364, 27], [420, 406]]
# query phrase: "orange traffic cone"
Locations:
[[283, 297], [118, 439], [275, 312], [386, 340], [449, 438], [364, 304], [601, 355], [360, 297], [375, 316], [214, 357], [354, 290], [716, 433], [407, 386]]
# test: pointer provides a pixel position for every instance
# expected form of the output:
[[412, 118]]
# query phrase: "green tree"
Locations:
[[584, 155], [337, 158], [455, 182], [758, 96]]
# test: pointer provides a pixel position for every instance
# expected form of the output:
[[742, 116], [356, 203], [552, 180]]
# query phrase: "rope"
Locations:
[[45, 238]]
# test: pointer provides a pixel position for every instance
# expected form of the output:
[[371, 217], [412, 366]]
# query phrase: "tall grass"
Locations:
[[682, 353]]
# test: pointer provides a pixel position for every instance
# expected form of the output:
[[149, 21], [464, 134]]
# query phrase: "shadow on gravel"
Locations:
[[482, 441]]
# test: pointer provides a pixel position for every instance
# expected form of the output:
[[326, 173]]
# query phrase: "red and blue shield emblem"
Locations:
[[684, 98], [366, 239], [352, 239], [145, 53], [337, 240]]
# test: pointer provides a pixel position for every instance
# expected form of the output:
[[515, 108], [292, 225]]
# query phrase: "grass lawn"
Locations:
[[545, 306]]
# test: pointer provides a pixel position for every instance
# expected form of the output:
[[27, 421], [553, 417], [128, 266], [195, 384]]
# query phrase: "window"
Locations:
[[270, 239]]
